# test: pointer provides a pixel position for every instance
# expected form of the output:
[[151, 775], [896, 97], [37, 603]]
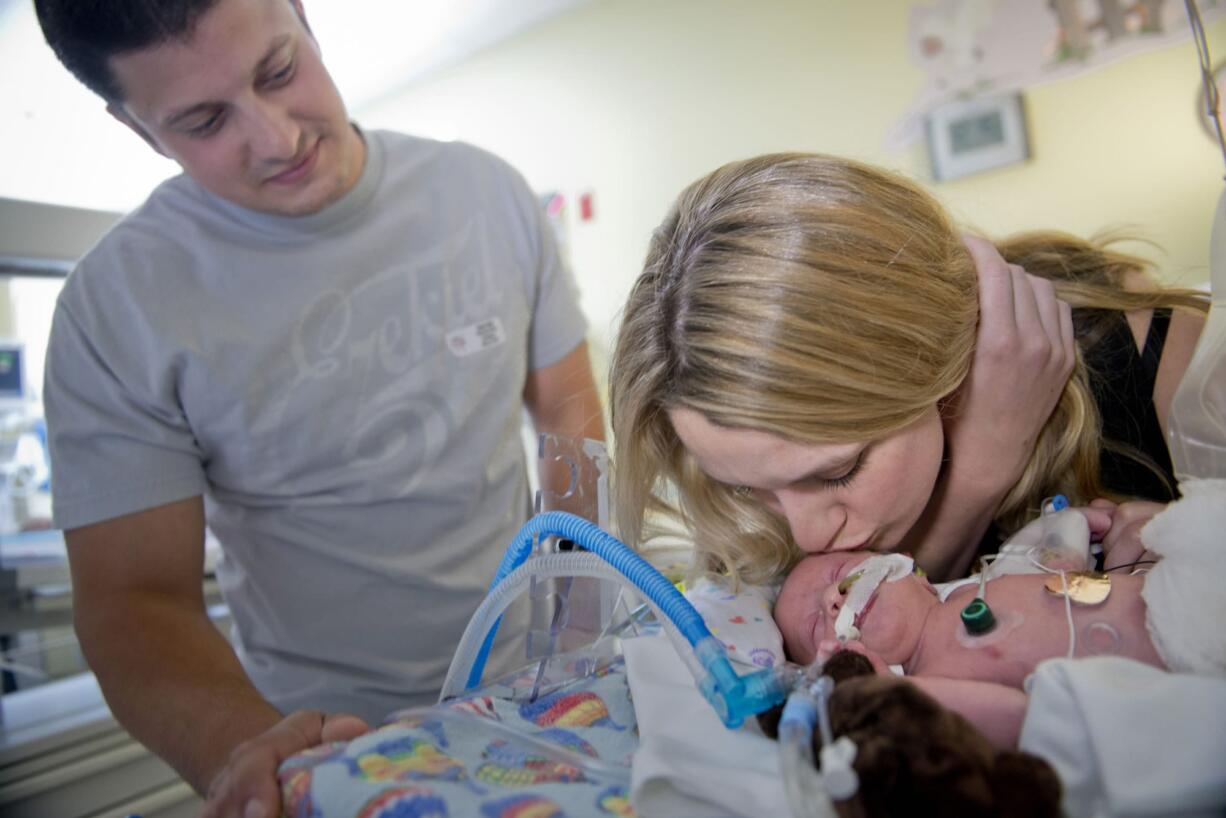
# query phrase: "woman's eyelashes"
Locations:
[[819, 480], [846, 477]]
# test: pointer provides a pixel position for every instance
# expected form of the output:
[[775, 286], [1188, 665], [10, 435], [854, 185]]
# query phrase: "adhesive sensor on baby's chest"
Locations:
[[977, 618], [1081, 587]]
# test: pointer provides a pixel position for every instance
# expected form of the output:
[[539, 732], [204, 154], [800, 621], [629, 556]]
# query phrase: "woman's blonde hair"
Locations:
[[825, 301]]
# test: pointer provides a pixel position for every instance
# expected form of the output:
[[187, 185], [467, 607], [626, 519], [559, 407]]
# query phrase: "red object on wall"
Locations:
[[586, 210]]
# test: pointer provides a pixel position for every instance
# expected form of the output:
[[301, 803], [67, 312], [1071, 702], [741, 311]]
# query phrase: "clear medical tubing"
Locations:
[[734, 697], [1196, 425]]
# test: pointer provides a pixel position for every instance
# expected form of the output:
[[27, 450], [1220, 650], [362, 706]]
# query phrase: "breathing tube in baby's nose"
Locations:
[[869, 575]]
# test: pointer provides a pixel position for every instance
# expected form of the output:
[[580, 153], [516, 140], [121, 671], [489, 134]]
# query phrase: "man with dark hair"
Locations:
[[319, 341]]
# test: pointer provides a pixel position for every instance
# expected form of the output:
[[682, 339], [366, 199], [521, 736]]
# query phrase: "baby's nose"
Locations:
[[832, 601]]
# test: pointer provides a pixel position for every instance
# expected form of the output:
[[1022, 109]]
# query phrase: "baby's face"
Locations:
[[811, 598]]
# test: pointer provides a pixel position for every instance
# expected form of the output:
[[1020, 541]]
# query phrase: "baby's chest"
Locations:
[[1023, 636]]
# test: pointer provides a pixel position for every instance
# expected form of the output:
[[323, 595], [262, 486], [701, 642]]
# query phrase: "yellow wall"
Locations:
[[633, 99]]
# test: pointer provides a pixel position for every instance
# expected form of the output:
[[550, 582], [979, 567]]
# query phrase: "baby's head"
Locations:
[[817, 589]]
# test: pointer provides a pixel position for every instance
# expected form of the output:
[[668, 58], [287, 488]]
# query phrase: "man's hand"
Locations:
[[1024, 354], [248, 788]]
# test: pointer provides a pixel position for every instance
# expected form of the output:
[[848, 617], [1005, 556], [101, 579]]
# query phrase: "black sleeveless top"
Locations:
[[1122, 381]]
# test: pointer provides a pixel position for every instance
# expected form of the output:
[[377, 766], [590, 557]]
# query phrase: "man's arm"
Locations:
[[562, 400], [168, 674]]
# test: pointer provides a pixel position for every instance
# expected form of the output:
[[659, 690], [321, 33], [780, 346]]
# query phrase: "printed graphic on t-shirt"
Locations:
[[374, 357], [476, 337]]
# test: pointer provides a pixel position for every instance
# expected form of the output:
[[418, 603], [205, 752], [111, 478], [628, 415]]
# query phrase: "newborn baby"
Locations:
[[980, 676]]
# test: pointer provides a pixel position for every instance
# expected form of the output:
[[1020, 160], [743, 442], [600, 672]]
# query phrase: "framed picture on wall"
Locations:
[[975, 135]]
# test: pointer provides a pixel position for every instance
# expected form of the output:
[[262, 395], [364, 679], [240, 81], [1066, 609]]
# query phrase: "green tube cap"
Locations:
[[977, 618]]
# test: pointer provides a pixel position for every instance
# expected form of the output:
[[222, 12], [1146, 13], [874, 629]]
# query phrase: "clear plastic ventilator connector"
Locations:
[[1197, 420], [1055, 541]]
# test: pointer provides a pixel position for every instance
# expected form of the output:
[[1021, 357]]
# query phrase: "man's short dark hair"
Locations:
[[85, 34]]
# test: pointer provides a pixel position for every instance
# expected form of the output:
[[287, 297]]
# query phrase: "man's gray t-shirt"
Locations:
[[345, 390]]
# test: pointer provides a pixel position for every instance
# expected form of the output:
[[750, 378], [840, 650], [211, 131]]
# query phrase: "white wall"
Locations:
[[633, 99]]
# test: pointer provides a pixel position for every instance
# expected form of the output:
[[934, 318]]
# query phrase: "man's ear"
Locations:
[[117, 111]]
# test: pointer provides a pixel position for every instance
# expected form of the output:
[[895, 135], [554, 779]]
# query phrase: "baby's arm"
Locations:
[[995, 709]]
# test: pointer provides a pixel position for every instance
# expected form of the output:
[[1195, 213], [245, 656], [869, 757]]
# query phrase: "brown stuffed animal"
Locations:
[[915, 757]]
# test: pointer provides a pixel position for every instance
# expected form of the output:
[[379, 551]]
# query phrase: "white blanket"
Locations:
[[688, 764], [1185, 593], [1128, 739], [1125, 738]]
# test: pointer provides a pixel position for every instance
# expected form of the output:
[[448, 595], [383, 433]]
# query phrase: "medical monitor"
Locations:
[[12, 374]]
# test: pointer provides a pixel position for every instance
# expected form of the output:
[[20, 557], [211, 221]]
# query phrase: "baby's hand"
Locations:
[[829, 647]]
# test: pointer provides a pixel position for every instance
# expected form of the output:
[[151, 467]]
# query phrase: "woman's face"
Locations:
[[834, 497]]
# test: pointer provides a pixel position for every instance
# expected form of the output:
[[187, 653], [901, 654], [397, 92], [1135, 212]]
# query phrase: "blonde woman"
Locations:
[[814, 359]]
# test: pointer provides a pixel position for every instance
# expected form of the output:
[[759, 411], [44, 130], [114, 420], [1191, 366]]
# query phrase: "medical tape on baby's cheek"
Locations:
[[872, 572]]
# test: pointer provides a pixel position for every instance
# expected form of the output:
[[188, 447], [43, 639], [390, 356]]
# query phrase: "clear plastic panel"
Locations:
[[566, 613], [574, 477], [560, 669], [1197, 421]]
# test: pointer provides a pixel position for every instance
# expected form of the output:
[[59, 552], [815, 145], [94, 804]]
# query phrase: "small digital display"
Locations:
[[12, 376], [976, 132]]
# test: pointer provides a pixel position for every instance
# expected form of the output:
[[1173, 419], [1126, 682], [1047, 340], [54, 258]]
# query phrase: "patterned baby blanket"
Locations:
[[567, 753]]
